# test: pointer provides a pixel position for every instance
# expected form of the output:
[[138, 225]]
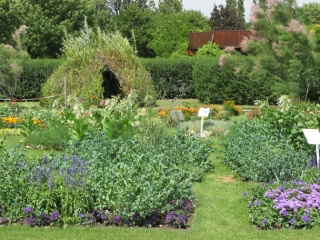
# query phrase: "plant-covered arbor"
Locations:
[[97, 65]]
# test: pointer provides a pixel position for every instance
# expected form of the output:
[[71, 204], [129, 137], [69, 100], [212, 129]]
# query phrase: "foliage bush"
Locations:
[[213, 84], [35, 74], [117, 182], [257, 151], [293, 204], [171, 77], [209, 49], [291, 118]]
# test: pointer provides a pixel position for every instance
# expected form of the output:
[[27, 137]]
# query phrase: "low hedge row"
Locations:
[[183, 77], [35, 73]]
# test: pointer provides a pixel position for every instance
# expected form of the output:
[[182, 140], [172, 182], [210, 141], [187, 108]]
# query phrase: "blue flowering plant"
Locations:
[[293, 204], [33, 218]]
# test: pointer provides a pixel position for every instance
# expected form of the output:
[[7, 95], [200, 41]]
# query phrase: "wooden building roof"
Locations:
[[223, 38]]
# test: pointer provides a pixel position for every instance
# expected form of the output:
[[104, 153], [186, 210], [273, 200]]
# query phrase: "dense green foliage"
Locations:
[[119, 177], [209, 49], [281, 52], [258, 152], [229, 17], [272, 145], [213, 84], [90, 55], [291, 118], [310, 13], [172, 77], [170, 31], [35, 74]]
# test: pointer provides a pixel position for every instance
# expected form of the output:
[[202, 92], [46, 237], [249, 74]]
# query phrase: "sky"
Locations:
[[206, 6]]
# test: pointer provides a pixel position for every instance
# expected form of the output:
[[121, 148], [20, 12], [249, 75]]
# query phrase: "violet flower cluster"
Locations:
[[31, 219], [73, 171], [294, 204]]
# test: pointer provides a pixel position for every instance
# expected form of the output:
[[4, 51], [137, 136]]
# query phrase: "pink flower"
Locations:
[[272, 3], [244, 44], [222, 60], [277, 48], [229, 49], [296, 27]]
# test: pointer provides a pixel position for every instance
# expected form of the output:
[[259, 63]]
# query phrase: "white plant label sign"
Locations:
[[203, 112], [313, 137]]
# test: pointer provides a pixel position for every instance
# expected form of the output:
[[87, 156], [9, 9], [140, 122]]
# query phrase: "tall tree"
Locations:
[[310, 13], [226, 18], [231, 3], [135, 24], [171, 31], [115, 6], [170, 6], [241, 12], [281, 52], [48, 19]]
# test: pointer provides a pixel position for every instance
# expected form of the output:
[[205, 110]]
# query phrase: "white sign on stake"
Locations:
[[203, 112], [313, 137]]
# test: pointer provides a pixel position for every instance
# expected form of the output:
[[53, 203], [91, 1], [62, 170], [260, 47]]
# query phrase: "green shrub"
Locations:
[[35, 74], [290, 119], [213, 84], [123, 179], [256, 151], [209, 49], [172, 77]]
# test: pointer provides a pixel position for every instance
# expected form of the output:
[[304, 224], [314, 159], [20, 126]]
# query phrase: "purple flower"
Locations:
[[291, 221], [103, 216], [28, 209], [3, 220], [305, 218], [258, 202], [45, 160], [250, 204], [171, 216], [117, 219], [244, 194], [45, 218], [54, 216], [50, 183], [281, 188], [264, 221], [32, 221], [182, 219], [285, 213]]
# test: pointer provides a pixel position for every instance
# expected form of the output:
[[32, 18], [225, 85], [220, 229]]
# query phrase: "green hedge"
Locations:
[[213, 84], [172, 77], [184, 77], [35, 73]]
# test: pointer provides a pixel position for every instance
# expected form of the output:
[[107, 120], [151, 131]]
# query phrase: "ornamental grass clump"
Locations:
[[293, 204]]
